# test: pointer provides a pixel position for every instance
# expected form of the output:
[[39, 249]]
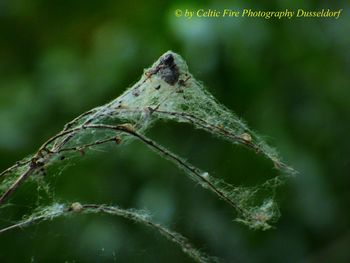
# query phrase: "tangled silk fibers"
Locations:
[[165, 91]]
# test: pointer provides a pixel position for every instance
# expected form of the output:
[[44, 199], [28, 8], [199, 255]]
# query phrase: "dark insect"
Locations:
[[136, 92], [167, 70], [168, 60], [42, 171]]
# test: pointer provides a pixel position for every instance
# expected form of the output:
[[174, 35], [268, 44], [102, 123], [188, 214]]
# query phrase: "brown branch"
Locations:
[[82, 147], [59, 210], [242, 139], [13, 167], [129, 130], [33, 166]]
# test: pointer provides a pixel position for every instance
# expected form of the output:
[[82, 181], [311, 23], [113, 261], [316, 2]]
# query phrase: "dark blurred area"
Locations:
[[289, 79]]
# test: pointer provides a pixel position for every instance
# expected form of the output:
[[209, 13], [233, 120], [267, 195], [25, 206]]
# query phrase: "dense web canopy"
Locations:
[[165, 91]]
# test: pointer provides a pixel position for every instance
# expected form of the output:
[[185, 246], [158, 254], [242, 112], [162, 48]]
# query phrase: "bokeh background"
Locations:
[[289, 79]]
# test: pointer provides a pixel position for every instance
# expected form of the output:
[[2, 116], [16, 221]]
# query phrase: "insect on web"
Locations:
[[166, 91]]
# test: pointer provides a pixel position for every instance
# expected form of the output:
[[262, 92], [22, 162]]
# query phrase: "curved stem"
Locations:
[[59, 210]]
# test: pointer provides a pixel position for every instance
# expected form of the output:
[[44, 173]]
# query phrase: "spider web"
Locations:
[[166, 91]]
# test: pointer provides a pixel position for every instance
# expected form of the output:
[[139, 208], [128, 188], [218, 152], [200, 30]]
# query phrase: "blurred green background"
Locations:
[[289, 79]]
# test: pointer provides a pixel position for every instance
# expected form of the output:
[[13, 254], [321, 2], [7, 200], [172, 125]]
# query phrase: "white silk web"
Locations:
[[165, 91]]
